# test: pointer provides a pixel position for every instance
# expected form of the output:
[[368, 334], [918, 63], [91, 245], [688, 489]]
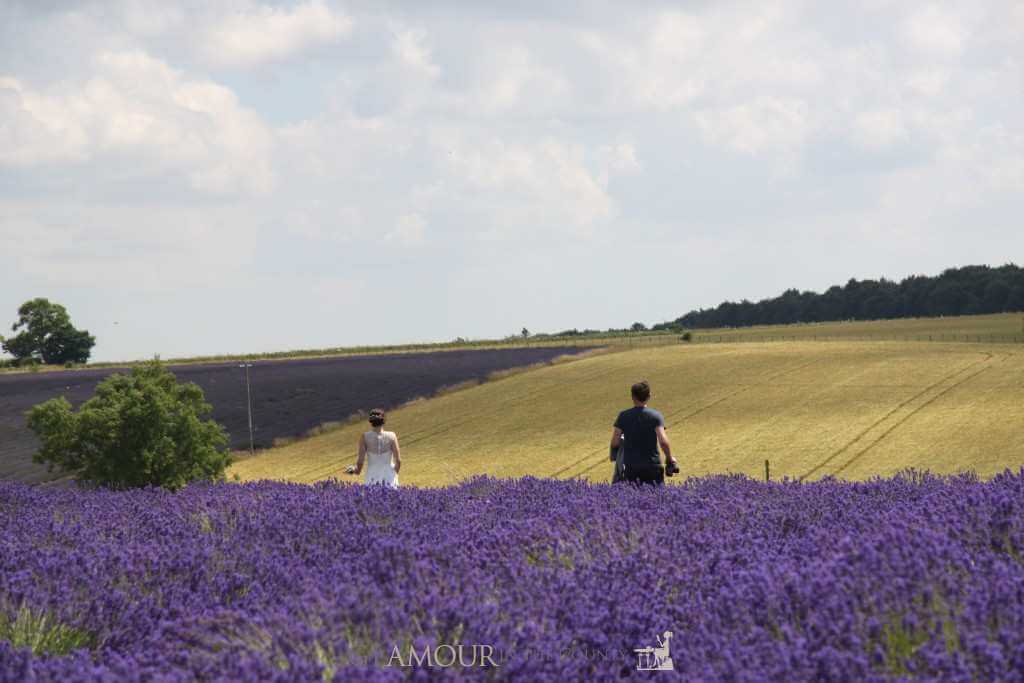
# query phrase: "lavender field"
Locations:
[[289, 396], [551, 580]]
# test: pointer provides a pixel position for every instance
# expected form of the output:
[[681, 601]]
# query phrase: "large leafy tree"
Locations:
[[47, 335], [142, 429]]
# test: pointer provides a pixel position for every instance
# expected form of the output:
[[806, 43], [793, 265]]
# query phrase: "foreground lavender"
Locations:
[[911, 576]]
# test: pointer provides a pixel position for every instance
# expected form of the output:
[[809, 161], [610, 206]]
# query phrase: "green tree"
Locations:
[[967, 290], [997, 292], [638, 327], [47, 335], [142, 429], [948, 298], [1015, 302]]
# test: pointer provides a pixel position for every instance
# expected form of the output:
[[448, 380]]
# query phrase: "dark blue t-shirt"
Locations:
[[638, 426]]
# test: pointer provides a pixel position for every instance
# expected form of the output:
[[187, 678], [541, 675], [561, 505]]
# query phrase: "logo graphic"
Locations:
[[655, 658]]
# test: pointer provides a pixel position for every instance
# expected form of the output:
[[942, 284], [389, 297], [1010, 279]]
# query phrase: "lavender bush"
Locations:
[[913, 576]]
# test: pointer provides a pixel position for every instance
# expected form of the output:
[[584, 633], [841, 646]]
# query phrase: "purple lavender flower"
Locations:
[[551, 580]]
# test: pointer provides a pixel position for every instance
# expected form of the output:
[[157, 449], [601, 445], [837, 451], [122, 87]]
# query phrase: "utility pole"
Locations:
[[248, 401]]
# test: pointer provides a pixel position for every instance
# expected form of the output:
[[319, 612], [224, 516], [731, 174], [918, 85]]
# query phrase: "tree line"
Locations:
[[970, 290]]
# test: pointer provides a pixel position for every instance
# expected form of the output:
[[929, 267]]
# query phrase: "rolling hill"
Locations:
[[854, 409]]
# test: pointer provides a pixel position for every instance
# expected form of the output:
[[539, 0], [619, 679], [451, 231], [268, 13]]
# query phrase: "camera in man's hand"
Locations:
[[671, 467]]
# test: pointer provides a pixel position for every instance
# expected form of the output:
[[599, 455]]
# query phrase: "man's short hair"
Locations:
[[641, 391]]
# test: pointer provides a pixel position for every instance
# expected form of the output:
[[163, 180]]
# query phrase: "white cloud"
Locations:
[[510, 77], [764, 124], [409, 46], [678, 35], [148, 18], [498, 187], [138, 106], [617, 159], [409, 231], [322, 220], [670, 61], [514, 188], [260, 34], [37, 129], [620, 157], [879, 129], [334, 292], [936, 30], [654, 70], [928, 82], [76, 244]]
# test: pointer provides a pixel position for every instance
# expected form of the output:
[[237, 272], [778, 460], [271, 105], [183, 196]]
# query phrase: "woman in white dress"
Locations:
[[379, 450]]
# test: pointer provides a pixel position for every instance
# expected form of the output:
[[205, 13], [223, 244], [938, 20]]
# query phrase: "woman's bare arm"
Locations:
[[398, 454], [360, 454]]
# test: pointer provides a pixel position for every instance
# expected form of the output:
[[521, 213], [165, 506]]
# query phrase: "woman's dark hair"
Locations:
[[377, 417], [641, 391]]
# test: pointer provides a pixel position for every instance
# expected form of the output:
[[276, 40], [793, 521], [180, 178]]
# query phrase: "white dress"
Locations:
[[380, 461]]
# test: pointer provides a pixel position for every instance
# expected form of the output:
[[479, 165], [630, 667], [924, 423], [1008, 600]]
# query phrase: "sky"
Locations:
[[207, 177]]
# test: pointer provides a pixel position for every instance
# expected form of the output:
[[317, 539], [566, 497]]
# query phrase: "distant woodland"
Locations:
[[957, 291]]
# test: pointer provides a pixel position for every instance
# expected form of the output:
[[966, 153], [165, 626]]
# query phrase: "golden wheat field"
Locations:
[[849, 409]]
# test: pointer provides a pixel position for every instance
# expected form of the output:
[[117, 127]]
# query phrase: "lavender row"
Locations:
[[552, 580]]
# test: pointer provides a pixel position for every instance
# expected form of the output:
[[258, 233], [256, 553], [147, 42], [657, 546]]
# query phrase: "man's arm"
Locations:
[[663, 442], [616, 442]]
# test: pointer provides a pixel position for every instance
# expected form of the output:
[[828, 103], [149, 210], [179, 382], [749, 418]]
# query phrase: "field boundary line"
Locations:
[[864, 432]]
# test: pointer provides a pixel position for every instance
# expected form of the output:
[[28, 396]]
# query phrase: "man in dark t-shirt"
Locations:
[[641, 430]]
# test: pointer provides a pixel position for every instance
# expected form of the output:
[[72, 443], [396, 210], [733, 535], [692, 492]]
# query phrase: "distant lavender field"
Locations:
[[289, 396], [560, 580]]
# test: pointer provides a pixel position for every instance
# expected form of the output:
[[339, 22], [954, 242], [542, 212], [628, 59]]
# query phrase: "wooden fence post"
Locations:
[[767, 472]]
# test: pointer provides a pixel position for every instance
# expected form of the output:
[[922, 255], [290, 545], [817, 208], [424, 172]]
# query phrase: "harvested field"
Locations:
[[850, 409], [290, 397]]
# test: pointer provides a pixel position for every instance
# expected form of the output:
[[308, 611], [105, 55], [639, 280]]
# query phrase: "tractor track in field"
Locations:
[[692, 413], [864, 432], [814, 390], [912, 413]]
